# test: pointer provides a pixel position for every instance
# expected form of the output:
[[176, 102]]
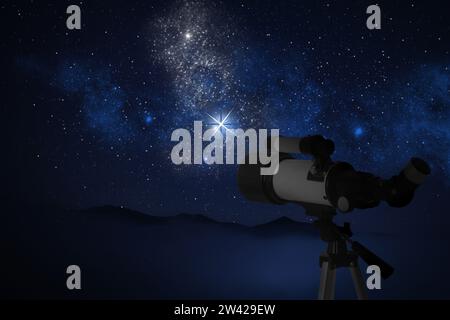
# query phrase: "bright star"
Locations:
[[220, 123], [188, 35]]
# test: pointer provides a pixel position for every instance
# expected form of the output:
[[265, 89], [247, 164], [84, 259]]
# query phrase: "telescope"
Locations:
[[321, 181], [322, 186]]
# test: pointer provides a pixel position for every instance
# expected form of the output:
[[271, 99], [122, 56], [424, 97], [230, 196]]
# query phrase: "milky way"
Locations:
[[191, 46], [381, 98], [408, 114]]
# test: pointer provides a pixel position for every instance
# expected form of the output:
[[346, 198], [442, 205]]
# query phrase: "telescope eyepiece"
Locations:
[[399, 190], [416, 170]]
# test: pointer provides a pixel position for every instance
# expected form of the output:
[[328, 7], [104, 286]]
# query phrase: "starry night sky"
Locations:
[[89, 113]]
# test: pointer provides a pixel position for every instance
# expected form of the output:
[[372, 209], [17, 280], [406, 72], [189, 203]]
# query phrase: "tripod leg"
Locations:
[[327, 281], [358, 281]]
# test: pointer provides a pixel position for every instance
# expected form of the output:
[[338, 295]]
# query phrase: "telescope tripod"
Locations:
[[334, 257], [337, 254]]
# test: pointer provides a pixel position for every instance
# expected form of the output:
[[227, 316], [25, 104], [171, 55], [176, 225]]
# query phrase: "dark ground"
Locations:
[[127, 254]]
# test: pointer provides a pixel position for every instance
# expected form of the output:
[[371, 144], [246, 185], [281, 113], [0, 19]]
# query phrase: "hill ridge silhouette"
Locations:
[[187, 216]]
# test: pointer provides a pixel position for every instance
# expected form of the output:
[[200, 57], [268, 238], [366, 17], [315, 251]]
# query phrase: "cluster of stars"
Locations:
[[382, 97]]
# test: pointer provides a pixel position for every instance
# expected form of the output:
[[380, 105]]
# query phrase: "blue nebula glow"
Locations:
[[358, 132], [148, 119], [102, 102], [405, 119]]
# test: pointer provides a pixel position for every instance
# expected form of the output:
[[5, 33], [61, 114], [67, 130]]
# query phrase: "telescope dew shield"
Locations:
[[257, 187]]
